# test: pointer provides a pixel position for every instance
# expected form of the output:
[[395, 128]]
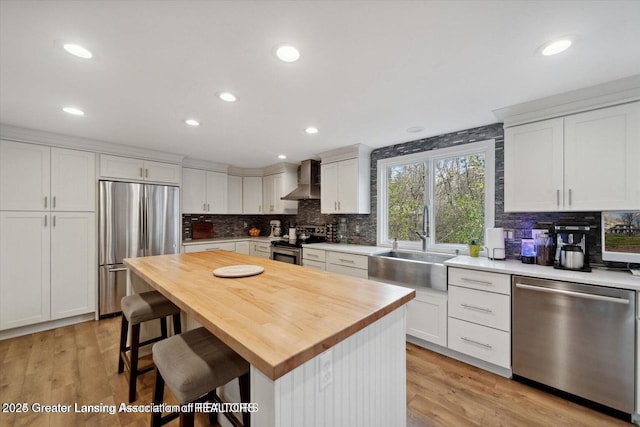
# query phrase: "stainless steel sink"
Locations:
[[413, 269]]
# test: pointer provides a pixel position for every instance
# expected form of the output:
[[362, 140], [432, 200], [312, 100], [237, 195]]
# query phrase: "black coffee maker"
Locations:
[[572, 249]]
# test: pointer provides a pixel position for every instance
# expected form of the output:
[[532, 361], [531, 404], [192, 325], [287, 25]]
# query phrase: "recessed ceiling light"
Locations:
[[78, 51], [192, 122], [282, 156], [287, 53], [227, 96], [556, 46], [73, 110], [311, 130], [415, 129]]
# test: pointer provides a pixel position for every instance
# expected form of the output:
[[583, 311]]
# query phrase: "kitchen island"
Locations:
[[324, 348]]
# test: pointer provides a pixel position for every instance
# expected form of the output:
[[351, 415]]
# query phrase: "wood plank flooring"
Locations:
[[78, 364]]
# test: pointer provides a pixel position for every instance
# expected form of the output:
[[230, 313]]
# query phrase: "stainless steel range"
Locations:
[[290, 251]]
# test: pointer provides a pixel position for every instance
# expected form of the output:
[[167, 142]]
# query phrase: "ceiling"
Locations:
[[368, 69]]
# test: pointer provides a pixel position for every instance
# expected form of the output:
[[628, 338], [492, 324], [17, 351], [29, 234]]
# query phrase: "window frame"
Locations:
[[429, 157]]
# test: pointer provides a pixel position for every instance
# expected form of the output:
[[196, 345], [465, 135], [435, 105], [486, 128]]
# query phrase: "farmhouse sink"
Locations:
[[413, 269]]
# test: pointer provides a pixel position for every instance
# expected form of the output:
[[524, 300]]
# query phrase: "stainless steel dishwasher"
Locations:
[[576, 338]]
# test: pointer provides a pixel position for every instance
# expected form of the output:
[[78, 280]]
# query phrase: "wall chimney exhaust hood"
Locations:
[[308, 184]]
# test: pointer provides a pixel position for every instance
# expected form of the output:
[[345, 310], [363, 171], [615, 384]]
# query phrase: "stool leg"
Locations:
[[187, 419], [124, 329], [177, 325], [245, 396], [133, 372], [158, 398], [163, 327]]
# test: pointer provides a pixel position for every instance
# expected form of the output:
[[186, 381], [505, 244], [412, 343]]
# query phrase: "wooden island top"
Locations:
[[276, 320]]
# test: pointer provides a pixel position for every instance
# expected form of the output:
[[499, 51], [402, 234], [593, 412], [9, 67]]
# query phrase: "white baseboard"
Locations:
[[45, 326]]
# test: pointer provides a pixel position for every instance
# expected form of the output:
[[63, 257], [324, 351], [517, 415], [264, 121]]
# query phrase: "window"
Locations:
[[454, 187]]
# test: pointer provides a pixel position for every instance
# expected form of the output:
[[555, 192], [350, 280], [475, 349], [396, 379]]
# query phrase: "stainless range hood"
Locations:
[[308, 184]]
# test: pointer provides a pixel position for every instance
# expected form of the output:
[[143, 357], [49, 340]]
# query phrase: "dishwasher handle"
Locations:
[[574, 294]]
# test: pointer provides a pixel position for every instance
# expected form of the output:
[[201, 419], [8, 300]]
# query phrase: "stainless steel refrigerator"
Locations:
[[134, 220]]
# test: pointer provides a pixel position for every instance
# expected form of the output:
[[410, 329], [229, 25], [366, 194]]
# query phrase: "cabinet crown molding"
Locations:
[[344, 153], [206, 165], [576, 101]]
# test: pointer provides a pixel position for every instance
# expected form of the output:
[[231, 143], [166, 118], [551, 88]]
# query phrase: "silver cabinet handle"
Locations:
[[53, 223], [475, 307], [54, 202], [569, 197], [146, 173], [350, 261], [204, 206], [339, 205], [573, 294], [312, 256], [476, 342], [141, 175], [45, 202], [45, 221], [115, 270], [558, 198], [476, 282], [335, 206]]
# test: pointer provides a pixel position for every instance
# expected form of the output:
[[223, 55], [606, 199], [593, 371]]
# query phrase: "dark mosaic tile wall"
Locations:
[[362, 228]]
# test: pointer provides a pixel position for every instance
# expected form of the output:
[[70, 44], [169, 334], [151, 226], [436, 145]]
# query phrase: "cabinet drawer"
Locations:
[[226, 246], [482, 280], [484, 308], [262, 247], [349, 271], [314, 264], [482, 342], [314, 254], [348, 260]]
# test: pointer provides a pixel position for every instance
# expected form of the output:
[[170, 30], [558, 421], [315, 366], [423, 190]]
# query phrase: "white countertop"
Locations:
[[349, 249], [601, 277], [226, 239]]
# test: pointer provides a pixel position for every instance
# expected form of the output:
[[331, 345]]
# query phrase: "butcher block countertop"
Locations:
[[276, 320]]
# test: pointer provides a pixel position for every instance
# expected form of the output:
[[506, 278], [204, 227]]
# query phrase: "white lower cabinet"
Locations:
[[47, 266], [260, 249], [221, 246], [314, 258], [479, 315], [242, 247], [348, 264], [427, 316]]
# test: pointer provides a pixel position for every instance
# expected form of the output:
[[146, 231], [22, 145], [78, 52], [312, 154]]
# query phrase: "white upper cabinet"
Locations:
[[252, 195], [204, 191], [582, 162], [118, 167], [533, 167], [273, 188], [234, 194], [344, 187], [39, 178], [24, 176], [602, 159], [73, 180]]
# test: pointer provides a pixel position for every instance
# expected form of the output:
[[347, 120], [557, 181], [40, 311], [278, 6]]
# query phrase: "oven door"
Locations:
[[288, 255]]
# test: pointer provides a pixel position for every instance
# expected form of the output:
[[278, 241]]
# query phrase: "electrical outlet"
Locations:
[[509, 234], [325, 368]]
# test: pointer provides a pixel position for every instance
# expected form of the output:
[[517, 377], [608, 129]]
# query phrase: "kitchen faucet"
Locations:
[[424, 234]]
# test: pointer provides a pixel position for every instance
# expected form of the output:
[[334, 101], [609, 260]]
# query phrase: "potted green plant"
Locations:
[[474, 249]]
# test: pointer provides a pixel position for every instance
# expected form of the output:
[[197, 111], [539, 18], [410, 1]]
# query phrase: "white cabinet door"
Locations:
[[269, 194], [73, 180], [161, 172], [348, 186], [24, 176], [234, 194], [216, 192], [73, 263], [602, 159], [24, 268], [329, 188], [533, 167], [121, 167], [427, 317], [242, 247], [194, 191], [252, 195]]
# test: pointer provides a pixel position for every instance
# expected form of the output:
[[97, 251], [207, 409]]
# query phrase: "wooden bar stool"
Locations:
[[193, 364], [138, 308]]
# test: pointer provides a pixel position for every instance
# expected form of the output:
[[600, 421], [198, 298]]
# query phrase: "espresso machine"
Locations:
[[572, 249]]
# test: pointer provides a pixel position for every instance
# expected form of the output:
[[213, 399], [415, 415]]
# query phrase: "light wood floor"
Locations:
[[78, 364]]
